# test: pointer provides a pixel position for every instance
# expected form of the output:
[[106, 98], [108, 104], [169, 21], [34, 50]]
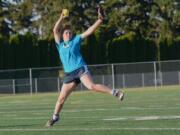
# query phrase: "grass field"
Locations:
[[145, 111]]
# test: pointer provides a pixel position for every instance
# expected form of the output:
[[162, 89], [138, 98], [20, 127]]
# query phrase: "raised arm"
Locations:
[[92, 28], [57, 28]]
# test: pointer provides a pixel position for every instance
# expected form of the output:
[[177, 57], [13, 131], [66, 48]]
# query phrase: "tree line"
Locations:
[[134, 30], [24, 51]]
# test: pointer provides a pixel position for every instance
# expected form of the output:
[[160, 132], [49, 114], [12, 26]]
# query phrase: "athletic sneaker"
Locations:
[[52, 121], [119, 94]]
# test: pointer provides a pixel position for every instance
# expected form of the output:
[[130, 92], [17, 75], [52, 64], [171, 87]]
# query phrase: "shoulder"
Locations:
[[58, 44], [77, 38]]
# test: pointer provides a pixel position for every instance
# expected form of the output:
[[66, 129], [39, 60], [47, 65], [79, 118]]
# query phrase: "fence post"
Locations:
[[161, 76], [30, 80], [103, 79], [143, 79], [112, 66], [179, 76], [155, 75], [36, 85], [81, 86], [58, 85], [123, 78], [14, 87]]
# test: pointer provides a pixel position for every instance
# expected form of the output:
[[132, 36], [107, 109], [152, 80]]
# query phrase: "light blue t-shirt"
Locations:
[[70, 55]]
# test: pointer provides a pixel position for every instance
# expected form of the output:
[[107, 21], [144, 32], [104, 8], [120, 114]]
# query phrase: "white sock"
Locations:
[[55, 116], [113, 92]]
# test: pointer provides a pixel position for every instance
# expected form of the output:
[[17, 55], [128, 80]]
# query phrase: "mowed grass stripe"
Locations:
[[86, 129], [84, 112]]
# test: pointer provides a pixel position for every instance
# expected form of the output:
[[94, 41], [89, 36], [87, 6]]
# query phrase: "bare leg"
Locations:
[[65, 92], [88, 82]]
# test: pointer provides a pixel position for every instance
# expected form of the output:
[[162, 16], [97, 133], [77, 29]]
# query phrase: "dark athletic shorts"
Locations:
[[75, 75]]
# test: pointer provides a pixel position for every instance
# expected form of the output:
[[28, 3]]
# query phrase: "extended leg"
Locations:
[[88, 82]]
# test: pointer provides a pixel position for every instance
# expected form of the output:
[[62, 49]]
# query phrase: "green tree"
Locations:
[[3, 48], [4, 21]]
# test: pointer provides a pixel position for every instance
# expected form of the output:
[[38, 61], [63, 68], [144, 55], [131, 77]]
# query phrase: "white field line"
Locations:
[[88, 129], [24, 103], [26, 118], [149, 108], [143, 118], [46, 117], [14, 116], [111, 118]]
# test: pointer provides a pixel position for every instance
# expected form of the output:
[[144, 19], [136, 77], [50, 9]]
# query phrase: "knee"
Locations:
[[92, 87]]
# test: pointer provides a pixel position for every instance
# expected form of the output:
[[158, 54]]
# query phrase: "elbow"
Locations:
[[54, 30]]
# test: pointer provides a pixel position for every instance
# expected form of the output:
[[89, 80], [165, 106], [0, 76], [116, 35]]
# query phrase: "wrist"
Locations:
[[100, 20]]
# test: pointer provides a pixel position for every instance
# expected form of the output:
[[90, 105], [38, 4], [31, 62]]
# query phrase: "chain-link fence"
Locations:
[[126, 75]]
